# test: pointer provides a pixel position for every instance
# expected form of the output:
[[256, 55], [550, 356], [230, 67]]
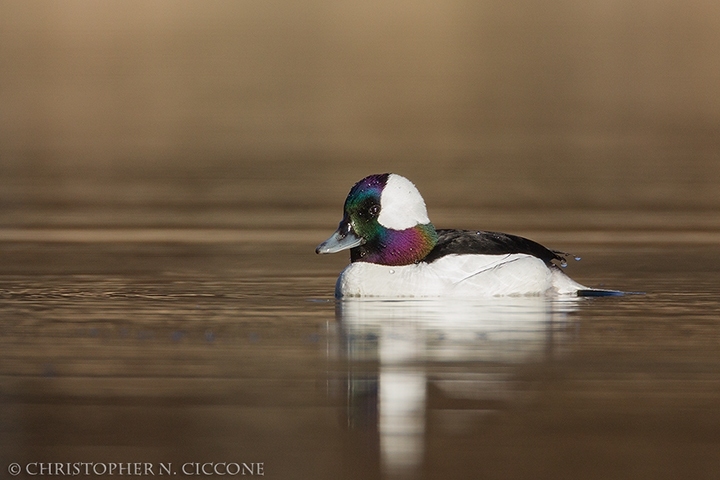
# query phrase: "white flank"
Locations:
[[401, 205], [456, 276]]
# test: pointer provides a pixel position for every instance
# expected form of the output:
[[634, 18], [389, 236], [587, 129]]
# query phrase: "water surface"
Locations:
[[155, 351]]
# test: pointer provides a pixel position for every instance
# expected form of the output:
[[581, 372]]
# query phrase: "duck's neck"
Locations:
[[397, 247]]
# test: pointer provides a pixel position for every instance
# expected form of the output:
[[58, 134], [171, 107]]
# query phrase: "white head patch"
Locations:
[[401, 205]]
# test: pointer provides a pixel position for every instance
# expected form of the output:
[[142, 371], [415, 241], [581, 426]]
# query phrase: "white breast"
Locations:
[[456, 275]]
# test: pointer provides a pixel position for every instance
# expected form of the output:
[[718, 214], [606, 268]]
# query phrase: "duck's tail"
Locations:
[[565, 285], [593, 292]]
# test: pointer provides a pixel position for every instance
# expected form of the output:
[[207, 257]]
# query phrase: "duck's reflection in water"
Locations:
[[465, 350]]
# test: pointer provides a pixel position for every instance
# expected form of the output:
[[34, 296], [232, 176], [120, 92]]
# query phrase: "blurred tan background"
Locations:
[[197, 112]]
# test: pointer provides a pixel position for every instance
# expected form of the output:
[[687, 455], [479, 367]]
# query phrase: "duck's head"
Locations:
[[385, 222]]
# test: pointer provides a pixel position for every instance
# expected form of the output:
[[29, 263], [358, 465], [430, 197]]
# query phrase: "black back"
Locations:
[[488, 243]]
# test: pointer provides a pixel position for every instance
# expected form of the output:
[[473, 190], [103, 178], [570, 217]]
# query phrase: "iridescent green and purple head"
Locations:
[[385, 222]]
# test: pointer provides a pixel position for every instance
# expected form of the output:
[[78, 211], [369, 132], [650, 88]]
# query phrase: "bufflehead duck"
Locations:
[[396, 252]]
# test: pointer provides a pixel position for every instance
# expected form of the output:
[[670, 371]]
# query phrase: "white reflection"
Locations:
[[404, 336]]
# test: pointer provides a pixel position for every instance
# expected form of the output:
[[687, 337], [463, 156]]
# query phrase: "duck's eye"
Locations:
[[374, 210]]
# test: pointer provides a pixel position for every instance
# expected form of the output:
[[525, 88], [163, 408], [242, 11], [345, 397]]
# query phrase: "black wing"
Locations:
[[488, 243]]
